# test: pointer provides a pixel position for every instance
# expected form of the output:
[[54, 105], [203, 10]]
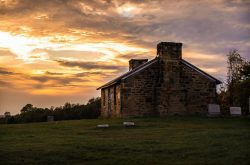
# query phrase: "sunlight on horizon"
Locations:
[[24, 47]]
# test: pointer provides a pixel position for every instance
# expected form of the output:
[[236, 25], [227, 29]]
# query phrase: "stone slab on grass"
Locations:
[[129, 124], [103, 126]]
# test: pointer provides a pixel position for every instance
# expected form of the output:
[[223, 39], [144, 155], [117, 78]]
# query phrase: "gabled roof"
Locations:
[[129, 73], [200, 71], [148, 64]]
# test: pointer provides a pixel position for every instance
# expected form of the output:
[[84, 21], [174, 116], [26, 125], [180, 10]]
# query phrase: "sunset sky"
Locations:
[[57, 51]]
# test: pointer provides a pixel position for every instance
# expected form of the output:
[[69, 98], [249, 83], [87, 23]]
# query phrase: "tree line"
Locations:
[[68, 111]]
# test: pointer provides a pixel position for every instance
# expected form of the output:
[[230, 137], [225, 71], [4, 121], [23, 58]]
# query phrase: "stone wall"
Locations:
[[115, 101], [139, 92], [199, 90]]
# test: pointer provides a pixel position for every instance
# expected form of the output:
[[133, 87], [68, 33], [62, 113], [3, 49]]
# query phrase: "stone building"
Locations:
[[165, 85]]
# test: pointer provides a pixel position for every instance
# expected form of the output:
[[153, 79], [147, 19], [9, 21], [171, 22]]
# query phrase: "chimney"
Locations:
[[134, 63], [171, 93], [169, 54], [169, 51]]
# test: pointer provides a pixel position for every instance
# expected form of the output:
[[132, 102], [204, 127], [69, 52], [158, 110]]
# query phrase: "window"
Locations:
[[127, 92], [148, 100], [109, 101], [114, 95], [104, 97]]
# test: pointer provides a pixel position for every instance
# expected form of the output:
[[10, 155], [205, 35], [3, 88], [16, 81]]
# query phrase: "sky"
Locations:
[[58, 51]]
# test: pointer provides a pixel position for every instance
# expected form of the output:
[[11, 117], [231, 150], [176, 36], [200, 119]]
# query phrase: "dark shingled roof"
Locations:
[[129, 73], [148, 64]]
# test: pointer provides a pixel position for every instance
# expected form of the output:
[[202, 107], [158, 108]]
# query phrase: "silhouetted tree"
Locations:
[[223, 98], [6, 114], [29, 113], [236, 91], [235, 64], [26, 108], [244, 87]]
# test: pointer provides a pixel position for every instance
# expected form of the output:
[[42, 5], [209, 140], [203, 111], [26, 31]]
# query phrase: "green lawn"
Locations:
[[172, 140]]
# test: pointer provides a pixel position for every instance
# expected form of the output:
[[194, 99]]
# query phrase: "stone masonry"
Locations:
[[163, 86]]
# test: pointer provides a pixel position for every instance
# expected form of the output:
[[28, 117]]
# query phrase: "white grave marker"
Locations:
[[235, 111], [50, 118], [213, 109]]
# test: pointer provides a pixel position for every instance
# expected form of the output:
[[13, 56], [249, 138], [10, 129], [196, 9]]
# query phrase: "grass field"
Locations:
[[172, 140]]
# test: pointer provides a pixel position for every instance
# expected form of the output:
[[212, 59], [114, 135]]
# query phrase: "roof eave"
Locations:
[[128, 74], [202, 72], [108, 85]]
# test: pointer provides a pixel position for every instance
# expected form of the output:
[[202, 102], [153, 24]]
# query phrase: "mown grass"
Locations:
[[171, 140]]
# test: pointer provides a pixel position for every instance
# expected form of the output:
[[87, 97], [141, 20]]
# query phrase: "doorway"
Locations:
[[109, 103]]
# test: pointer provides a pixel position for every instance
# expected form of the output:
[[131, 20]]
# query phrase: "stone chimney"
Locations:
[[134, 63], [169, 51], [170, 55], [170, 93]]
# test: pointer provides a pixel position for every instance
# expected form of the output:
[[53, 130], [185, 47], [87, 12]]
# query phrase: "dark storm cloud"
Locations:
[[135, 56], [3, 71], [91, 65], [51, 80], [53, 73], [57, 54], [81, 74], [59, 80], [104, 76], [207, 26], [85, 74]]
